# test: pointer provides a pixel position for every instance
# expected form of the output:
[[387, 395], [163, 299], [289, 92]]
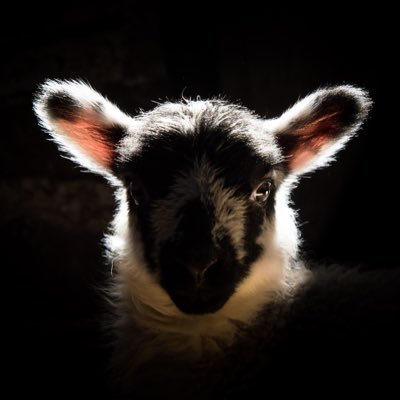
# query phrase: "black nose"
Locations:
[[199, 269], [197, 261]]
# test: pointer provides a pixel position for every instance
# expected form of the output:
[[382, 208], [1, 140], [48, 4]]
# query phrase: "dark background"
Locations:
[[53, 216]]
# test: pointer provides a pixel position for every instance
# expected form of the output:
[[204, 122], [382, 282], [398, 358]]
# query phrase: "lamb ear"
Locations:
[[82, 122], [317, 127]]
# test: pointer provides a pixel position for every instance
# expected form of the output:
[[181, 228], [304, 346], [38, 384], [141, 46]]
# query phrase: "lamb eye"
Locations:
[[262, 192]]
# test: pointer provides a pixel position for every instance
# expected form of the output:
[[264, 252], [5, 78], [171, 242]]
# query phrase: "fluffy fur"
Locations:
[[197, 260]]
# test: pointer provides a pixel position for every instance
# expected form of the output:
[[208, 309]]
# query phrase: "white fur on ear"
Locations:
[[82, 122], [312, 131]]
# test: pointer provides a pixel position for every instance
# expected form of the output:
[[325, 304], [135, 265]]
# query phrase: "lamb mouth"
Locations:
[[199, 304]]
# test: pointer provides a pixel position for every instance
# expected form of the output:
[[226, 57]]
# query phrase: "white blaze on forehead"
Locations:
[[201, 182]]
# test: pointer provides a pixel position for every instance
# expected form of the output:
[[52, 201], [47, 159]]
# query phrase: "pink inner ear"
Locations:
[[90, 138], [312, 137], [304, 154]]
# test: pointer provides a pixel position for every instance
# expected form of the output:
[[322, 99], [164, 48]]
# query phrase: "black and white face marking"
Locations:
[[200, 215], [201, 179]]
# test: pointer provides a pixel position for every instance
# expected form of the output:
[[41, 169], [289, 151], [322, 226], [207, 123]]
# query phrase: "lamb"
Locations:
[[204, 243]]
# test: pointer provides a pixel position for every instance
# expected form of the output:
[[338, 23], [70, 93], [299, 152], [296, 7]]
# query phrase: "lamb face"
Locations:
[[201, 190], [203, 184]]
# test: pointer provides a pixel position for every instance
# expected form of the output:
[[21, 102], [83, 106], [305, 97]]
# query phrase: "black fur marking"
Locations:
[[61, 105], [161, 159], [194, 244]]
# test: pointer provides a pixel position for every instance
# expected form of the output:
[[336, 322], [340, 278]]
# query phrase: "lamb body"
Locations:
[[204, 243]]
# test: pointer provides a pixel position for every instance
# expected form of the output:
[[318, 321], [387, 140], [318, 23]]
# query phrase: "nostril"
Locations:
[[212, 262], [198, 270]]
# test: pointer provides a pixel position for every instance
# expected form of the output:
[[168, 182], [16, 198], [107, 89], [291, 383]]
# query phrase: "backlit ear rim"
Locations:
[[85, 125], [317, 127]]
